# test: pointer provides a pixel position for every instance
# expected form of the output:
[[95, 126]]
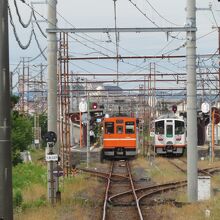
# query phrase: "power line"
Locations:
[[38, 45], [160, 14], [39, 27], [22, 46], [19, 16]]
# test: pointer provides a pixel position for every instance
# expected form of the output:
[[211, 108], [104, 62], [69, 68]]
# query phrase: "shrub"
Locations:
[[17, 198]]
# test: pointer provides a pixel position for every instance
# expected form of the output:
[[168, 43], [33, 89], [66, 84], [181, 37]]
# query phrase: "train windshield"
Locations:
[[109, 127], [129, 127], [159, 127], [169, 130], [179, 127], [119, 129]]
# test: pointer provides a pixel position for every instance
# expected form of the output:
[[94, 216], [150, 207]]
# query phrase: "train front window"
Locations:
[[129, 127], [169, 130], [109, 127], [119, 129], [159, 127], [179, 127]]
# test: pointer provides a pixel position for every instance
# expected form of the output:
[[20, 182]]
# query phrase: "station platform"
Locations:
[[79, 154]]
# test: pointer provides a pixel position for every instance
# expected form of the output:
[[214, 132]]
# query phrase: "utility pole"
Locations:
[[6, 207], [88, 133], [52, 85], [219, 54], [192, 175]]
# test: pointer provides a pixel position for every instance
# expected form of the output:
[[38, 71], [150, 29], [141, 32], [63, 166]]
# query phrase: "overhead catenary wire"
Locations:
[[38, 45], [124, 62], [39, 27], [149, 19], [156, 11]]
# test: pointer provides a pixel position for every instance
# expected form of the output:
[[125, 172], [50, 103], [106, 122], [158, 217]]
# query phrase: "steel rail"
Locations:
[[145, 188], [133, 191], [204, 171], [162, 189], [107, 192], [100, 173]]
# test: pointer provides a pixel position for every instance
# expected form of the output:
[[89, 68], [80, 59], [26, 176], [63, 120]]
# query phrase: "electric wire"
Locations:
[[22, 46], [39, 55], [149, 19], [19, 16], [39, 27], [38, 45], [160, 14]]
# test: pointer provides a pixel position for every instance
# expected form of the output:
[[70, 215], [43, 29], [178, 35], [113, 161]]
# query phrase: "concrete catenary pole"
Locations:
[[52, 85], [192, 175], [6, 208]]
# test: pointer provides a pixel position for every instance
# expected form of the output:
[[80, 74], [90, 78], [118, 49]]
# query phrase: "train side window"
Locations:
[[129, 127], [109, 127], [159, 127], [179, 127], [119, 129]]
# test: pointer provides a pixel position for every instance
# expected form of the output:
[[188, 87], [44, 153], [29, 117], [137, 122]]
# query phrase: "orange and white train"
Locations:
[[119, 137]]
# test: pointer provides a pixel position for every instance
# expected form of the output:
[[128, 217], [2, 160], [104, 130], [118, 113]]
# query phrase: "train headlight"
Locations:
[[160, 138], [178, 138]]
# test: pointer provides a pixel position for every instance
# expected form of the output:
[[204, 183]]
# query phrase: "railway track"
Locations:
[[123, 201], [110, 211], [207, 171]]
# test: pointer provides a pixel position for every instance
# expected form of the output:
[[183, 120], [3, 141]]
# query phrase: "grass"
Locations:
[[79, 194], [78, 201], [82, 194], [161, 171]]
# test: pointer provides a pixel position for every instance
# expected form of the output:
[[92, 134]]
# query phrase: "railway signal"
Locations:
[[51, 138], [174, 108], [94, 105]]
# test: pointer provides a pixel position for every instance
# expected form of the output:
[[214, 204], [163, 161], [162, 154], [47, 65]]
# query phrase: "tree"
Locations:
[[21, 136]]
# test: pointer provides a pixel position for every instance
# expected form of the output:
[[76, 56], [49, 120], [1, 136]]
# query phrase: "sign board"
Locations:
[[36, 141], [205, 107], [58, 171], [51, 157], [204, 187], [83, 106]]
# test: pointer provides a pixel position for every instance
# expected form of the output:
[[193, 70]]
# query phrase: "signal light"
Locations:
[[174, 108], [94, 105]]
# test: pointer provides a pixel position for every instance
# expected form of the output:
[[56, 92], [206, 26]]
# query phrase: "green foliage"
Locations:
[[21, 135], [26, 174], [43, 123], [35, 204], [17, 198], [14, 100]]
